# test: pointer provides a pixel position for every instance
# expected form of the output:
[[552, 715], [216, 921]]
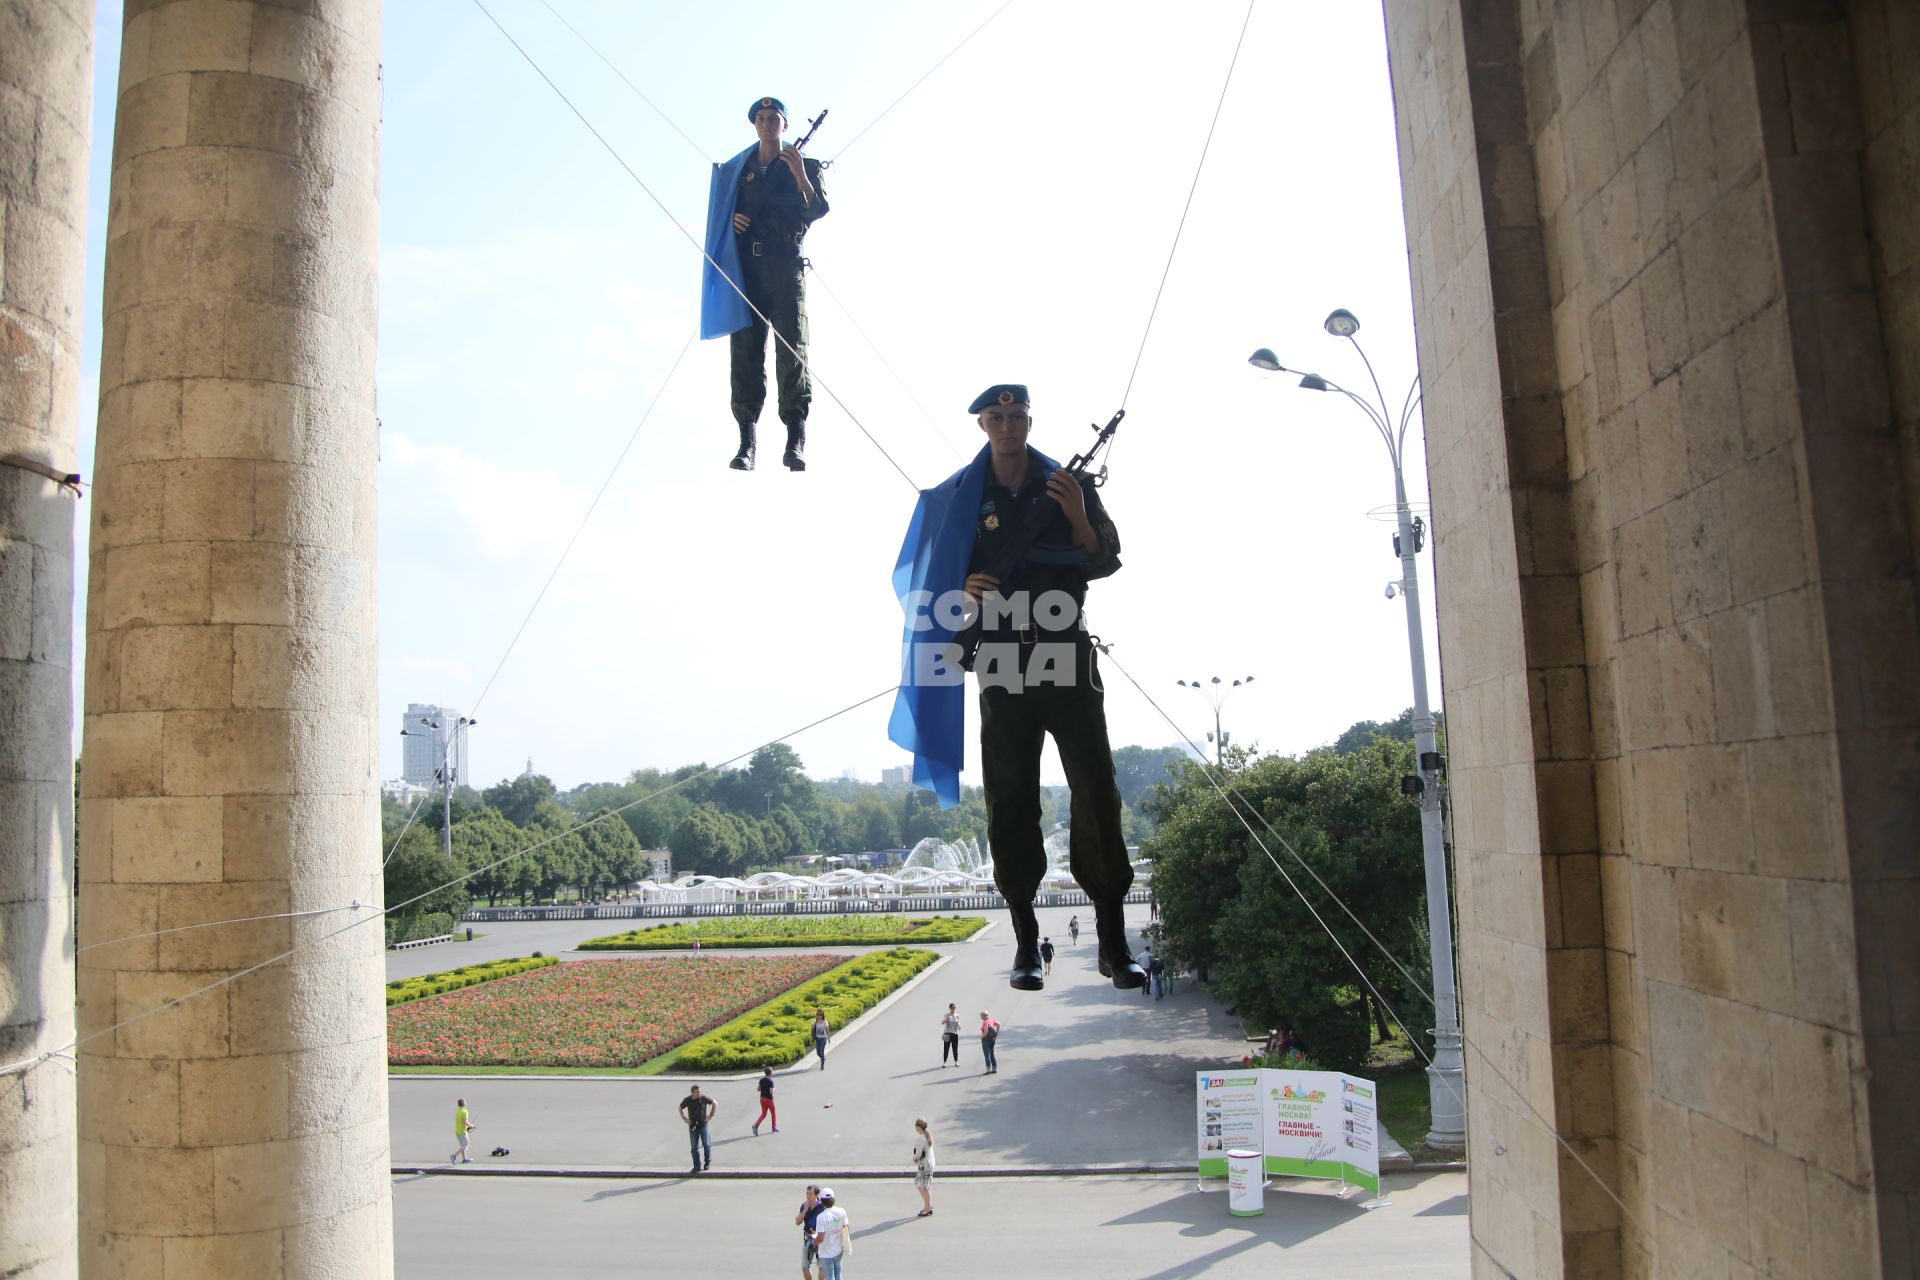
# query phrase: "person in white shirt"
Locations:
[[832, 1236], [923, 1164]]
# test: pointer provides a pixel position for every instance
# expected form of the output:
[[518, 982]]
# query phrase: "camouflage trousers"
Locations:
[[777, 288]]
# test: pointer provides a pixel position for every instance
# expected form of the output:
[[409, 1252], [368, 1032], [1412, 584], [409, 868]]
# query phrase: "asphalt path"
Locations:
[[1105, 1227], [1090, 1077]]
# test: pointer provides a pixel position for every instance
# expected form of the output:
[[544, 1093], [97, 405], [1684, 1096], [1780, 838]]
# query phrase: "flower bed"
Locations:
[[782, 1031], [791, 931], [433, 984], [599, 1013]]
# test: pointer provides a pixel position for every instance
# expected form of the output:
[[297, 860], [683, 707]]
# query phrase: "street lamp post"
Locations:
[[446, 771], [1216, 694], [1445, 1076]]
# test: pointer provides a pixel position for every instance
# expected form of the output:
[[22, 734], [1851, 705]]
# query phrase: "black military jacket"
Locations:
[[1000, 516], [779, 217]]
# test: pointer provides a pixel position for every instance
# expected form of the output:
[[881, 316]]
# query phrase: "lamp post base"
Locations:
[[1447, 1095]]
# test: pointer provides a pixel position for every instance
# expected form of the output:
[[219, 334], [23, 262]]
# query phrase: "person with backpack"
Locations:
[[989, 1036], [1157, 970]]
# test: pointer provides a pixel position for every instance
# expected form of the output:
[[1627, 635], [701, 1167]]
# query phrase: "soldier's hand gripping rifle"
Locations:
[[813, 127], [1025, 546]]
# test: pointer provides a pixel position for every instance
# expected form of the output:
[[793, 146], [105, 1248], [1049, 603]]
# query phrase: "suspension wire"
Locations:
[[412, 814], [881, 356], [355, 905], [922, 80], [585, 516], [623, 77], [675, 222], [1532, 1111], [1187, 208], [65, 1051]]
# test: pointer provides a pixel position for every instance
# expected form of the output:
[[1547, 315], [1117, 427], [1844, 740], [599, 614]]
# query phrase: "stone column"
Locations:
[[230, 684], [46, 91]]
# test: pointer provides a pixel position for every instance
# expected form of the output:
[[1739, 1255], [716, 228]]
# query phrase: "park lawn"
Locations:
[[791, 931], [602, 1013]]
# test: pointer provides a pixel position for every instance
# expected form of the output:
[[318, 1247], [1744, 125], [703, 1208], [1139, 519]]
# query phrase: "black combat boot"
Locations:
[[1027, 974], [743, 460], [795, 458], [1116, 961]]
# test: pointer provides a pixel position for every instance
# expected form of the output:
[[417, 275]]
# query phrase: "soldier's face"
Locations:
[[769, 124], [1007, 426]]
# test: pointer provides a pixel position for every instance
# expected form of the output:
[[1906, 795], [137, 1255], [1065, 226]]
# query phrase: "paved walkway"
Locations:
[[1089, 1076], [1062, 1228], [1090, 1079]]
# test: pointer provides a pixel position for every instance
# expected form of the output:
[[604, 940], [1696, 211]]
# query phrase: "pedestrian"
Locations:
[[767, 196], [832, 1236], [923, 1165], [1073, 930], [1037, 665], [820, 1033], [1147, 961], [989, 1038], [766, 1102], [1157, 970], [1046, 955], [698, 1112], [462, 1126], [809, 1213], [950, 1036]]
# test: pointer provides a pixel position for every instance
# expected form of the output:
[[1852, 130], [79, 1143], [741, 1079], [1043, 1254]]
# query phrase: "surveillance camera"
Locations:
[[1393, 589]]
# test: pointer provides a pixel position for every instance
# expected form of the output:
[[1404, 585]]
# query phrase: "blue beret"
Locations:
[[1004, 393], [754, 111]]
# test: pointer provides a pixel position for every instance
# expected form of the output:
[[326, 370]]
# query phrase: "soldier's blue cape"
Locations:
[[722, 309], [930, 720]]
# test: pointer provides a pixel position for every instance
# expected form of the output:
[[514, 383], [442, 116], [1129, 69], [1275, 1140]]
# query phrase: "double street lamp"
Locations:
[[1215, 692], [445, 730], [1444, 1076]]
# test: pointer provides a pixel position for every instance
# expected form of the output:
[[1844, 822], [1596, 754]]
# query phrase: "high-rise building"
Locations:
[[898, 775], [425, 744]]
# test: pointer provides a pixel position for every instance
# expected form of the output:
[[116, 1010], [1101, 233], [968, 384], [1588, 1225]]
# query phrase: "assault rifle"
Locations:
[[1025, 546]]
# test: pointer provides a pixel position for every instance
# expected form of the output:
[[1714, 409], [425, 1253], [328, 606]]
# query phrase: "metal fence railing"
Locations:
[[890, 904]]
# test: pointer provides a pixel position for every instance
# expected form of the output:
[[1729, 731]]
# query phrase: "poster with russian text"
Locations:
[[1228, 1113], [1319, 1124]]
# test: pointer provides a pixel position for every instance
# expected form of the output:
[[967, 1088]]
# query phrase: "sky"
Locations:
[[1009, 220]]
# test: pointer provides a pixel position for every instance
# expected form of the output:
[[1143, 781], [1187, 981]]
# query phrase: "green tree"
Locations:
[[481, 841], [558, 855], [1138, 770], [418, 867], [519, 799], [1227, 906], [613, 856], [874, 825]]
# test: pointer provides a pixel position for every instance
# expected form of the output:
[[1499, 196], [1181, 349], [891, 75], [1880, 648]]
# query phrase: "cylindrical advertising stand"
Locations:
[[1245, 1182]]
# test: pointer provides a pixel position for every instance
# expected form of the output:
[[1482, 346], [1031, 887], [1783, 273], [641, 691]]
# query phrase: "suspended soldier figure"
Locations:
[[762, 202], [1038, 670]]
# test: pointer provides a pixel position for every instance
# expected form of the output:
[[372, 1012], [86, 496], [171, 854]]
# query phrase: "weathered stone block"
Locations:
[[261, 1254], [160, 1191], [1720, 1207], [228, 753], [123, 758], [162, 668], [234, 1101], [132, 1102], [153, 583], [164, 840]]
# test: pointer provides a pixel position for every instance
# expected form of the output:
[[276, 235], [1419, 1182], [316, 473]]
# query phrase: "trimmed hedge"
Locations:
[[432, 924], [433, 984], [790, 931], [780, 1031]]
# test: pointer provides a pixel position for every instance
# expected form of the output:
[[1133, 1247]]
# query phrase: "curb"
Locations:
[[612, 1172]]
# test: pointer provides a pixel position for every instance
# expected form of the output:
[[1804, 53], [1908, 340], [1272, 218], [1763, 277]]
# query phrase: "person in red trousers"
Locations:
[[766, 1102]]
